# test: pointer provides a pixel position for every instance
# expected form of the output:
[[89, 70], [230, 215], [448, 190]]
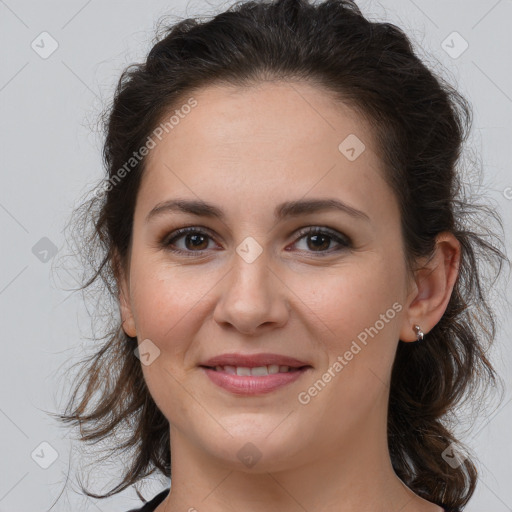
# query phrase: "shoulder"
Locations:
[[150, 506]]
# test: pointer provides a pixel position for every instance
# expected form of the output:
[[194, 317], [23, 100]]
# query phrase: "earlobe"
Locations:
[[433, 288], [128, 321]]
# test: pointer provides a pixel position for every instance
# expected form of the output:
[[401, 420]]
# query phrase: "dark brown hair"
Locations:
[[421, 123]]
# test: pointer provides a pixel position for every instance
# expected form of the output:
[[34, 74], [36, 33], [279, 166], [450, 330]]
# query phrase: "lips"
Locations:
[[253, 361], [253, 374]]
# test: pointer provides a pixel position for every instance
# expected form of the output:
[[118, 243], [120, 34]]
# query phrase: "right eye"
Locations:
[[195, 240]]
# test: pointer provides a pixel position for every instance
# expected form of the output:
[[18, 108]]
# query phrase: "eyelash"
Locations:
[[343, 240]]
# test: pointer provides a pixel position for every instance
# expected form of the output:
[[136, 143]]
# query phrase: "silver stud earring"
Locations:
[[419, 333]]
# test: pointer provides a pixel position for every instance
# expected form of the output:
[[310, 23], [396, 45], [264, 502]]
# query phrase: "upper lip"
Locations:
[[253, 360]]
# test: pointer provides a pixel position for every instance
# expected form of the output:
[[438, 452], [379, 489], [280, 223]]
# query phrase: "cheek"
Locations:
[[361, 307], [168, 303], [352, 298], [166, 299]]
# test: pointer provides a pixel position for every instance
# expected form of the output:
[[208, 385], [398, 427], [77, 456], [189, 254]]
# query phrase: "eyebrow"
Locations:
[[282, 211]]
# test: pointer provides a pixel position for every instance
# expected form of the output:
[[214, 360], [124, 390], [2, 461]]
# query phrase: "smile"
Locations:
[[257, 370], [253, 381]]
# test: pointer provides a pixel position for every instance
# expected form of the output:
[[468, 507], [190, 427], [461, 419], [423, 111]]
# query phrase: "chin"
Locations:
[[256, 445]]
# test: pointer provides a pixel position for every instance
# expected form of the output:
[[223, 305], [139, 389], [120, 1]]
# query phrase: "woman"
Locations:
[[301, 303]]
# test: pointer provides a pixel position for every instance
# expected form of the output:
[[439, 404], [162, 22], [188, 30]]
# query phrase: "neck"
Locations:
[[355, 475]]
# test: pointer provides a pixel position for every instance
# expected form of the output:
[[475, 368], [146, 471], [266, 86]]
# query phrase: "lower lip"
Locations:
[[252, 385]]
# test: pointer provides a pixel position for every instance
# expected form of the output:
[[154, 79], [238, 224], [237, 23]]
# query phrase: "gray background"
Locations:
[[51, 155]]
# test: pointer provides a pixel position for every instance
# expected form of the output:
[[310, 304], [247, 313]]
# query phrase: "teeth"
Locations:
[[257, 371]]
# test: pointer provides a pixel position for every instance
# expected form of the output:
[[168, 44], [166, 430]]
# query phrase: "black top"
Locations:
[[150, 506]]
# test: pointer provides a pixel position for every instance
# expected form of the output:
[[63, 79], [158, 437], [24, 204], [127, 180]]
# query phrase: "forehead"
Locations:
[[270, 115], [266, 142]]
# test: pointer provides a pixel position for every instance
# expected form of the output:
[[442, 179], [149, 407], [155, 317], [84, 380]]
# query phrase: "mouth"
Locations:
[[253, 381], [256, 371], [253, 374], [260, 363]]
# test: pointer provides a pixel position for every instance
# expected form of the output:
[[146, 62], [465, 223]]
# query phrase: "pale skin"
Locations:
[[247, 150]]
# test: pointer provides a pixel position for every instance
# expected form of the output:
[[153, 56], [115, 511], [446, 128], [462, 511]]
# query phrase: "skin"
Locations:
[[246, 150]]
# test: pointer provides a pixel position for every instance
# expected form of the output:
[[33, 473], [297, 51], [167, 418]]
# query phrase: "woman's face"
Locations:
[[250, 280]]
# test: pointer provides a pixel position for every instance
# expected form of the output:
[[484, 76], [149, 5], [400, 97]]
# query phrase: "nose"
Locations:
[[253, 298]]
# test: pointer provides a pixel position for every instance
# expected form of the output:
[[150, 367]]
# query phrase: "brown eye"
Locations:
[[319, 240], [194, 240]]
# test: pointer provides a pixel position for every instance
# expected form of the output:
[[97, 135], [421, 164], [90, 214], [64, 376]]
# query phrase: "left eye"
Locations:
[[320, 238], [196, 240]]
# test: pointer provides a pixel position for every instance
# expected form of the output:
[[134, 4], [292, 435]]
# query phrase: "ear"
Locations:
[[432, 287], [123, 281]]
